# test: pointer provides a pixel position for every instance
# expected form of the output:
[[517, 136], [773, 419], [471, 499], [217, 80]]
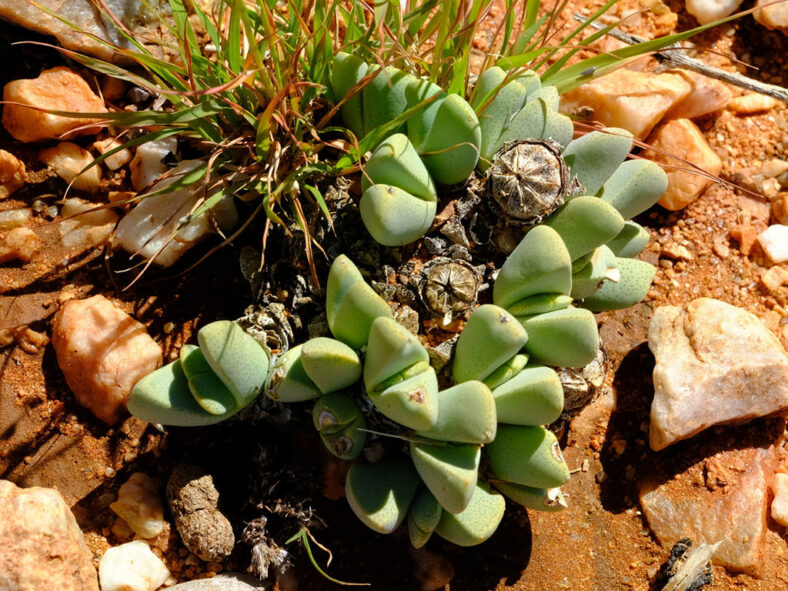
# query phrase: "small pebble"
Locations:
[[131, 567], [774, 242], [20, 244], [12, 174], [139, 504], [780, 502], [752, 103], [68, 160]]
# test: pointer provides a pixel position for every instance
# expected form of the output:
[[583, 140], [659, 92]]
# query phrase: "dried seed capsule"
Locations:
[[449, 288], [528, 180]]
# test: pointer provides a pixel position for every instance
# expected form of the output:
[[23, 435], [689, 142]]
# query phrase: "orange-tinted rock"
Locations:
[[752, 103], [102, 352], [683, 139], [780, 502], [635, 101], [731, 510], [43, 547], [12, 174], [116, 160], [58, 89]]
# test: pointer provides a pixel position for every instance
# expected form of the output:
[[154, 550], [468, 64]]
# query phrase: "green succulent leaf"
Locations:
[[288, 381], [423, 517], [392, 349], [477, 522], [491, 337], [347, 71], [351, 304], [163, 397], [565, 338], [595, 156], [332, 413], [539, 265], [331, 365], [540, 499], [635, 186], [630, 241], [527, 455], [534, 397], [384, 97], [394, 217], [633, 285], [419, 125], [584, 223], [466, 414], [540, 304], [602, 266], [239, 361], [451, 149], [208, 390], [380, 494], [497, 114], [395, 162], [412, 402], [449, 471], [506, 372]]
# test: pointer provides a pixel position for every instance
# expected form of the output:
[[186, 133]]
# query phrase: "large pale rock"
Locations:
[[131, 567], [68, 161], [57, 89], [139, 504], [42, 545], [148, 165], [153, 228], [12, 174], [683, 139], [707, 11], [222, 582], [102, 352], [774, 16], [89, 21], [730, 508], [635, 101], [715, 363]]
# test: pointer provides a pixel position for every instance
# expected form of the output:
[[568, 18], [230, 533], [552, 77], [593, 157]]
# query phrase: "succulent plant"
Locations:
[[442, 144], [206, 384]]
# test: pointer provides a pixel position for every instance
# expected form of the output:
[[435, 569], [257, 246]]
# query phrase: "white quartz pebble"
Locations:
[[774, 242], [131, 567], [147, 164], [139, 504], [707, 11]]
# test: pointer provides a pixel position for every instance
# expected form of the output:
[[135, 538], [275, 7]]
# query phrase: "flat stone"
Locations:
[[42, 545], [635, 101], [772, 17], [116, 160], [222, 582], [58, 89], [12, 174], [729, 506], [194, 502], [102, 352], [707, 11], [682, 138], [131, 567], [85, 224], [89, 22], [715, 363]]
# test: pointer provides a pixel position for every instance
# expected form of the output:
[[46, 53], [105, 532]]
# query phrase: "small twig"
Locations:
[[675, 56]]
